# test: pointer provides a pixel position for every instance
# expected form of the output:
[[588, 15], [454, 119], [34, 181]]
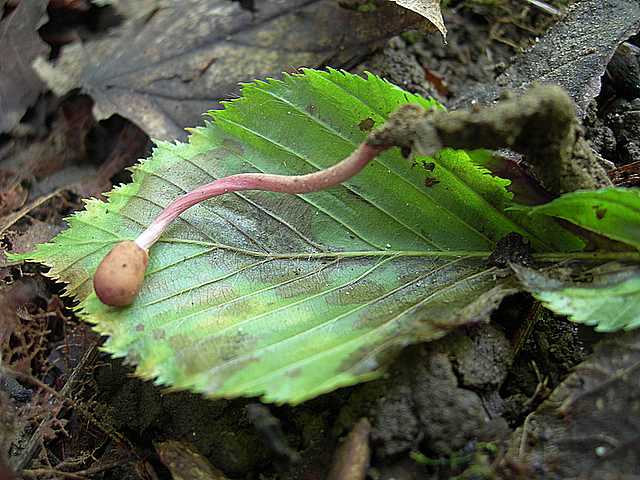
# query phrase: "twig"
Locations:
[[536, 310], [77, 475], [523, 437], [13, 218], [351, 459], [545, 7], [48, 472]]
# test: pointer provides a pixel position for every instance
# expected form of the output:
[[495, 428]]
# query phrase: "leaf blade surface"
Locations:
[[613, 212], [607, 296]]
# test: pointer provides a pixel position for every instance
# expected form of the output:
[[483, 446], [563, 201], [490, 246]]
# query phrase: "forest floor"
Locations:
[[456, 408]]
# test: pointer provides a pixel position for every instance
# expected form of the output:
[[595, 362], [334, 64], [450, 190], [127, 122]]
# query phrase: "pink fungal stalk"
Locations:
[[119, 276]]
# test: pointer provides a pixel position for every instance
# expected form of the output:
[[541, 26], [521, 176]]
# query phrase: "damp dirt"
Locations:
[[443, 409]]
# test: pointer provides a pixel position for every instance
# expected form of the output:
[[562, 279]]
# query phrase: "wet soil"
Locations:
[[444, 409], [613, 119]]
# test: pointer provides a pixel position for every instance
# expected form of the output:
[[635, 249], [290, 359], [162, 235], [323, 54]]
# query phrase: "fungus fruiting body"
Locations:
[[119, 276]]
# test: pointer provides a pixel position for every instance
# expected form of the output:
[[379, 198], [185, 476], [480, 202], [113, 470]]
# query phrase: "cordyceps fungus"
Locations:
[[119, 276]]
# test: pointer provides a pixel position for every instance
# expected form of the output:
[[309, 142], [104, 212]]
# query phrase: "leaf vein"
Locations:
[[342, 344], [333, 320]]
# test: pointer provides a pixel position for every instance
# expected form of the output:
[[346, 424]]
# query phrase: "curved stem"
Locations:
[[294, 184]]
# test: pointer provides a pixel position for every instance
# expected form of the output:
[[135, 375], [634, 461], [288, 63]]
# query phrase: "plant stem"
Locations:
[[293, 184]]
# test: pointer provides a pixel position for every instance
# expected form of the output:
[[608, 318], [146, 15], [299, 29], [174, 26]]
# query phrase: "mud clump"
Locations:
[[541, 124], [482, 357], [425, 405], [397, 428]]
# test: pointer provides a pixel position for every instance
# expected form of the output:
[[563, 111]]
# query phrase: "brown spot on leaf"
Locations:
[[140, 327], [367, 124], [430, 182], [158, 334], [600, 213], [233, 146], [429, 166]]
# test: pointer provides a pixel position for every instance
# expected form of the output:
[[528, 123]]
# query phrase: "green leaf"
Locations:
[[607, 296], [612, 212], [287, 297]]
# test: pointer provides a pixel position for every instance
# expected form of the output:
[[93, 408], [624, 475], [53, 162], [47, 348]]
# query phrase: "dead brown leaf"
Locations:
[[37, 232], [429, 9], [163, 70], [136, 9], [79, 5], [573, 53], [589, 427], [20, 44], [12, 192]]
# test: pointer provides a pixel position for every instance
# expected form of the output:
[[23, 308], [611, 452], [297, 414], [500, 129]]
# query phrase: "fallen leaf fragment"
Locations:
[[429, 9], [352, 457], [78, 5], [607, 296], [185, 463], [612, 212], [134, 9], [162, 71], [20, 44], [36, 233], [574, 53], [588, 428]]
